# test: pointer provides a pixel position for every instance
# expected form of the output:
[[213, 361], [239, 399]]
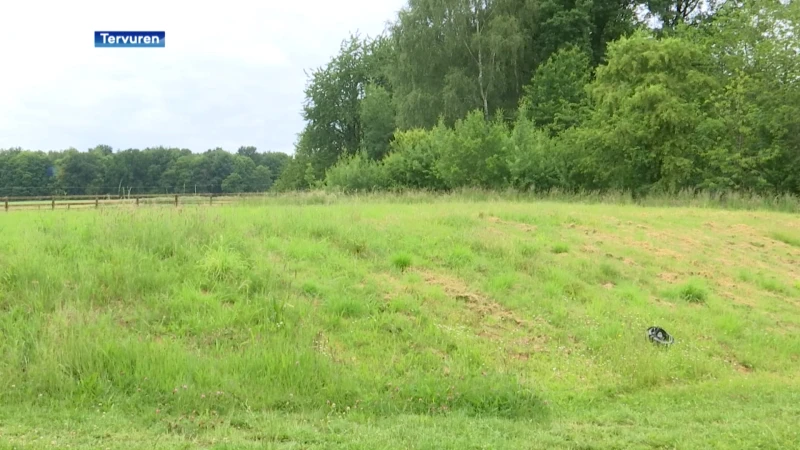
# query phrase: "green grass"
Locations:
[[694, 291], [787, 238], [388, 322]]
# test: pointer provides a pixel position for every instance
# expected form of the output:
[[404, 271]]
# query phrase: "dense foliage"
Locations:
[[653, 96], [641, 96], [100, 171]]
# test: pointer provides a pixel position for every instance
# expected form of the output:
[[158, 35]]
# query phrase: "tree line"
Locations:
[[640, 96], [101, 171]]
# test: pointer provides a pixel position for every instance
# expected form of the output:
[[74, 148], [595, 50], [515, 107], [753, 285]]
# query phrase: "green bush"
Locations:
[[357, 174], [474, 153], [531, 160], [411, 162]]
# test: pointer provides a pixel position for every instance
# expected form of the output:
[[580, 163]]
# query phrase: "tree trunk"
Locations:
[[480, 70]]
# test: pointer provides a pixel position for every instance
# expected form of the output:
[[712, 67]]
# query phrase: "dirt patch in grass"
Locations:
[[518, 225], [586, 230], [741, 368], [661, 302], [669, 277], [497, 323], [523, 348], [734, 362], [741, 229], [476, 302], [658, 251], [495, 231], [628, 262]]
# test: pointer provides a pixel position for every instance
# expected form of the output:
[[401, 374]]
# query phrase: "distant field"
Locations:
[[378, 323]]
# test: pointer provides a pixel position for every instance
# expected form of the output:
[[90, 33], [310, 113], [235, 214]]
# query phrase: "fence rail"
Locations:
[[97, 201]]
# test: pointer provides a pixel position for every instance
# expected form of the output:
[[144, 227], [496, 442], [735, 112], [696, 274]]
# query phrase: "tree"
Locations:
[[332, 107], [25, 173], [671, 14], [454, 56], [651, 110], [249, 152], [82, 173], [275, 161], [474, 153], [261, 180], [756, 47], [233, 183], [378, 121], [103, 150], [556, 98]]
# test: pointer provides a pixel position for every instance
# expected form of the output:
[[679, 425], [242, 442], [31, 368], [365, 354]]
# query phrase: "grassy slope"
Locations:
[[390, 325]]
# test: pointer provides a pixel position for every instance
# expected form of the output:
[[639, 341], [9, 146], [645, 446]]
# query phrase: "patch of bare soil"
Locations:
[[586, 230], [589, 249], [740, 368], [519, 225], [626, 261], [521, 349], [733, 361], [741, 229], [477, 303], [662, 302], [493, 316], [495, 231], [659, 251], [669, 277]]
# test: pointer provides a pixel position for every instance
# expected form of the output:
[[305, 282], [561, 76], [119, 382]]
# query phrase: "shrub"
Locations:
[[411, 162], [474, 153], [357, 174]]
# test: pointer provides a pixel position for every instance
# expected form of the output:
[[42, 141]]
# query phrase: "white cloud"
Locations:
[[231, 73]]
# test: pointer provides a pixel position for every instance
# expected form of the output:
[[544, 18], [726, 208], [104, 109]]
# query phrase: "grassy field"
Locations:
[[380, 323]]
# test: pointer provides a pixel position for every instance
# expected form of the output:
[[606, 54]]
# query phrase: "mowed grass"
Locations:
[[369, 323]]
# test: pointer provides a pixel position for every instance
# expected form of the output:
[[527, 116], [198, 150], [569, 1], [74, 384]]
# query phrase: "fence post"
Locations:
[[210, 198], [176, 200], [96, 202], [137, 201], [53, 202], [6, 204]]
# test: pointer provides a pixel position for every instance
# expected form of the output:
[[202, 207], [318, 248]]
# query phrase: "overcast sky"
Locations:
[[231, 72]]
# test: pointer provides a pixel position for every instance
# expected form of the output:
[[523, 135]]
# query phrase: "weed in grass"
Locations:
[[786, 238], [401, 261], [773, 285], [560, 248], [609, 273], [311, 288], [694, 291], [767, 282], [347, 307], [527, 249]]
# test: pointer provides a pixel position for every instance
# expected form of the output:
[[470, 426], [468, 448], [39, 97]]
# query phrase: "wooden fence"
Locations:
[[97, 201]]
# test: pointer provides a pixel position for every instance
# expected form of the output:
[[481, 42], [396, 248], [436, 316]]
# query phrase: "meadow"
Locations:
[[376, 322]]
